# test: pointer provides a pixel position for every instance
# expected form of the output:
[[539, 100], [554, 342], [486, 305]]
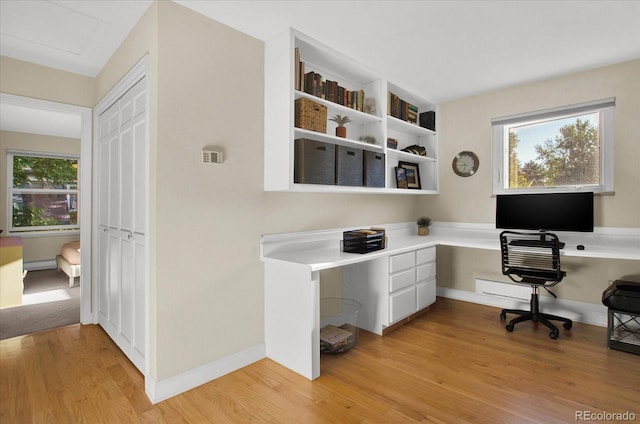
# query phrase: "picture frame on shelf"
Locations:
[[401, 178], [412, 174]]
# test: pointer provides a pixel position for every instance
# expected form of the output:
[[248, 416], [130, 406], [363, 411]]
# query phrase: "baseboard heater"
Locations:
[[39, 265]]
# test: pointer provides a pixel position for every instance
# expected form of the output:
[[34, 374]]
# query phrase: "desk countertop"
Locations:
[[321, 249]]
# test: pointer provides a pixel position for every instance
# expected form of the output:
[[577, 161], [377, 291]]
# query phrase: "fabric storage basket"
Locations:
[[310, 115]]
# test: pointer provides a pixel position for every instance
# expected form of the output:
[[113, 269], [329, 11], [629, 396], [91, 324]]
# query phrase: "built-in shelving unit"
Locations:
[[283, 53]]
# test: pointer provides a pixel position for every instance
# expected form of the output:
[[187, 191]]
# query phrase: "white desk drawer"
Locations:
[[402, 304], [425, 293], [402, 279], [400, 262], [426, 272], [426, 255]]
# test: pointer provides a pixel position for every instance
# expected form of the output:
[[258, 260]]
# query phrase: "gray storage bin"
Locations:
[[314, 162], [373, 169], [348, 166]]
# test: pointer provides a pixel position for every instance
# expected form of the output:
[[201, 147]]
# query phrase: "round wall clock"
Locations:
[[465, 163]]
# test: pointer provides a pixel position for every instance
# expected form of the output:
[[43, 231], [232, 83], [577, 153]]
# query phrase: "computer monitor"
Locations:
[[545, 212]]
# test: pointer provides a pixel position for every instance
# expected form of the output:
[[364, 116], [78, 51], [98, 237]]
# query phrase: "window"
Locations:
[[44, 193], [569, 148]]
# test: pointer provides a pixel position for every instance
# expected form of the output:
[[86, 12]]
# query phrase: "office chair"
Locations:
[[533, 259]]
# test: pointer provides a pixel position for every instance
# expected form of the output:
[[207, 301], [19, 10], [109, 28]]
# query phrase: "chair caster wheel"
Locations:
[[503, 316], [553, 334], [567, 325], [509, 327]]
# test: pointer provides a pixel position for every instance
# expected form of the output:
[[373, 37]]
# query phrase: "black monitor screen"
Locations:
[[552, 212]]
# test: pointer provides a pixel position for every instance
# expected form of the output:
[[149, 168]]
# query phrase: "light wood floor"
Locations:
[[454, 364]]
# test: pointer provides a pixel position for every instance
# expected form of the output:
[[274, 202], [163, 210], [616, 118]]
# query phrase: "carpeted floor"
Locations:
[[47, 302]]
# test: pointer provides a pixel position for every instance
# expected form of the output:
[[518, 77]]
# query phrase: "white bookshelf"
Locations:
[[280, 132]]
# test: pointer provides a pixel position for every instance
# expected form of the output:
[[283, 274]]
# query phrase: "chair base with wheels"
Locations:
[[535, 315]]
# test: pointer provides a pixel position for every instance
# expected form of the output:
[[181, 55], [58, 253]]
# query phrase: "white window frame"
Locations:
[[500, 127], [47, 230]]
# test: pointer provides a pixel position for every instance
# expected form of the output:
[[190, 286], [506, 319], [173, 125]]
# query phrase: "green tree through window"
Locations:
[[44, 193], [571, 158]]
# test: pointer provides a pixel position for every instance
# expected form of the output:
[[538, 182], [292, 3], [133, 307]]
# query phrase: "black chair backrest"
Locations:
[[531, 258]]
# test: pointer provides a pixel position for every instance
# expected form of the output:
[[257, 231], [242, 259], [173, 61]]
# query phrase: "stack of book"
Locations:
[[312, 83], [401, 109], [335, 339]]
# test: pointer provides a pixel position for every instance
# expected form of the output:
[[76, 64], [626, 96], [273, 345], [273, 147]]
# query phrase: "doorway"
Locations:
[[49, 117]]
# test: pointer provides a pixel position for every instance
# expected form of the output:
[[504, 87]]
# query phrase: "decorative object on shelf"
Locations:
[[392, 143], [423, 225], [310, 115], [428, 120], [412, 172], [401, 178], [370, 105], [416, 150], [368, 139], [465, 163], [341, 130]]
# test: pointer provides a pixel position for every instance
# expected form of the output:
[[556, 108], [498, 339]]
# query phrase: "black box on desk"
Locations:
[[348, 166], [373, 169], [363, 241], [314, 162]]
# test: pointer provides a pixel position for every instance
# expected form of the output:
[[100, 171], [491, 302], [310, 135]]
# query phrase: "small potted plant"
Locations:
[[341, 130], [423, 225]]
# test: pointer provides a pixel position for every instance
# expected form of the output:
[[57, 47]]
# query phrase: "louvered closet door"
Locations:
[[121, 213]]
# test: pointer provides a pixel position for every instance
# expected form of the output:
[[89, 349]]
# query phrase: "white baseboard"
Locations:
[[587, 313], [157, 391], [40, 265]]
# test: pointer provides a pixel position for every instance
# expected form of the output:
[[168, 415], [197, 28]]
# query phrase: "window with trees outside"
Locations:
[[43, 193], [564, 149]]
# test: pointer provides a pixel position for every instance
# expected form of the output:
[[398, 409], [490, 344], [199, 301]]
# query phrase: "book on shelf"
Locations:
[[312, 83], [296, 82], [401, 109]]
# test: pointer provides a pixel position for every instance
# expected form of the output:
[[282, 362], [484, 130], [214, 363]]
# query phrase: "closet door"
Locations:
[[121, 212]]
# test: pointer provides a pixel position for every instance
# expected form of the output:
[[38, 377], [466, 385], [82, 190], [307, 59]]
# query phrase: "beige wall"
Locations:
[[465, 124], [34, 248], [40, 82], [209, 218]]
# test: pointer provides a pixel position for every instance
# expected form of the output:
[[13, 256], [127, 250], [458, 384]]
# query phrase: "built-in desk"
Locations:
[[293, 262]]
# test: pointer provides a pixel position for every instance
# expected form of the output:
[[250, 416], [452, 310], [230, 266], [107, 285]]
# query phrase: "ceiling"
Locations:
[[443, 49]]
